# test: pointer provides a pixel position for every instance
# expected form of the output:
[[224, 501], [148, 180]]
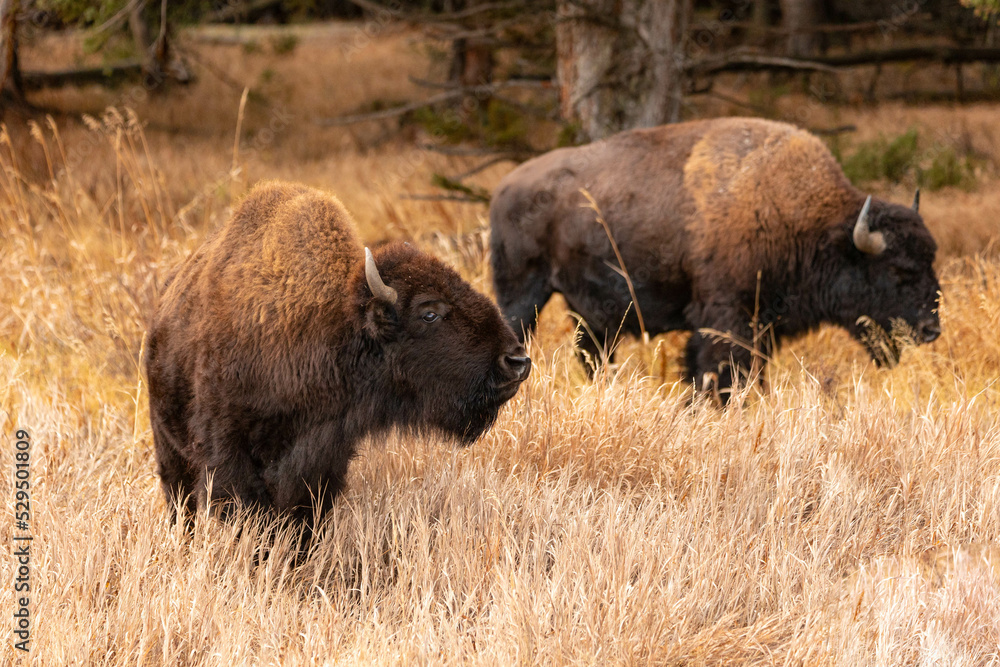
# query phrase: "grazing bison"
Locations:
[[716, 220], [279, 345]]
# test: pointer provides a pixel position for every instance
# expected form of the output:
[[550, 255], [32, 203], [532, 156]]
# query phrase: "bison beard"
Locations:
[[279, 345], [716, 221]]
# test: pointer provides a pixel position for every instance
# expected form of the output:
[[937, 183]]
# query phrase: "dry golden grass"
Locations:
[[846, 515]]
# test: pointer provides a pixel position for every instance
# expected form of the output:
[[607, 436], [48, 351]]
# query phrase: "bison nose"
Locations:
[[515, 366], [929, 329]]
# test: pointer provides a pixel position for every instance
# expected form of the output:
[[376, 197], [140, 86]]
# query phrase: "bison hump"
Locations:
[[759, 188], [278, 272], [749, 172], [288, 243]]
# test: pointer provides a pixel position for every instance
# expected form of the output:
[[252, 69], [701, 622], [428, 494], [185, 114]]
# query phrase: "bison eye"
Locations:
[[430, 316]]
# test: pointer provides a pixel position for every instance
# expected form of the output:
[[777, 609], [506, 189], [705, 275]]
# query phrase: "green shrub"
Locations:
[[900, 156], [883, 159], [284, 44], [765, 98], [446, 125], [498, 124], [893, 160], [504, 125], [571, 134], [948, 169], [865, 164]]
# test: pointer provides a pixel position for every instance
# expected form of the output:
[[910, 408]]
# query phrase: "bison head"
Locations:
[[446, 358], [884, 281]]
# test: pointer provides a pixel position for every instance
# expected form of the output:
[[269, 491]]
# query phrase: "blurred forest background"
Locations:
[[517, 77], [477, 86]]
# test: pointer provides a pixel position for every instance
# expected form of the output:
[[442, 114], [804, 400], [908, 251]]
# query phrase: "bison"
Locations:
[[721, 224], [281, 343]]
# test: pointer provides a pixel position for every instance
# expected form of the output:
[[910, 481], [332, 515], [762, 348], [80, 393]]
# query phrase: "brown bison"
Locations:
[[716, 221], [280, 344]]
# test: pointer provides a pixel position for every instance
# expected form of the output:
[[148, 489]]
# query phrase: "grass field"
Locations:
[[846, 515]]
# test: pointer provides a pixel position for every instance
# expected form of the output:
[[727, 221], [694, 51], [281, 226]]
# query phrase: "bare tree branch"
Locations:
[[464, 151], [483, 8], [452, 93], [120, 16], [233, 11], [482, 166], [377, 7], [441, 17], [921, 22], [746, 62], [389, 113], [456, 198], [542, 84], [832, 131]]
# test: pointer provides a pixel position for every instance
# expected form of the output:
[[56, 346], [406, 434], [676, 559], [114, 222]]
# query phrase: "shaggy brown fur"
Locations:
[[269, 357], [701, 212]]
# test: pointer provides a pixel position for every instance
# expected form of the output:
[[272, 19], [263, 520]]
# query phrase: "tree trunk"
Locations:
[[158, 60], [799, 18], [140, 31], [10, 73], [471, 66], [760, 22], [472, 62], [620, 63], [152, 68]]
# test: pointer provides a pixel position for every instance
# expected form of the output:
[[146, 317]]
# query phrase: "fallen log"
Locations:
[[104, 75], [236, 12], [745, 62]]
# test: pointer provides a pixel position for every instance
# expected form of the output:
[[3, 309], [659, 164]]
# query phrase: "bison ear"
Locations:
[[381, 317], [381, 320]]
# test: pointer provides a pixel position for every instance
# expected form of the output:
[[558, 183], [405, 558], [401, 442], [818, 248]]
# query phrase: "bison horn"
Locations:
[[916, 201], [865, 240], [381, 291]]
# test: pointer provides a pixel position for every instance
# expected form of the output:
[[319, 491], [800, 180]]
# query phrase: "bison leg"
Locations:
[[176, 478], [521, 293], [714, 365], [593, 353], [596, 335], [312, 473], [233, 476], [716, 361]]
